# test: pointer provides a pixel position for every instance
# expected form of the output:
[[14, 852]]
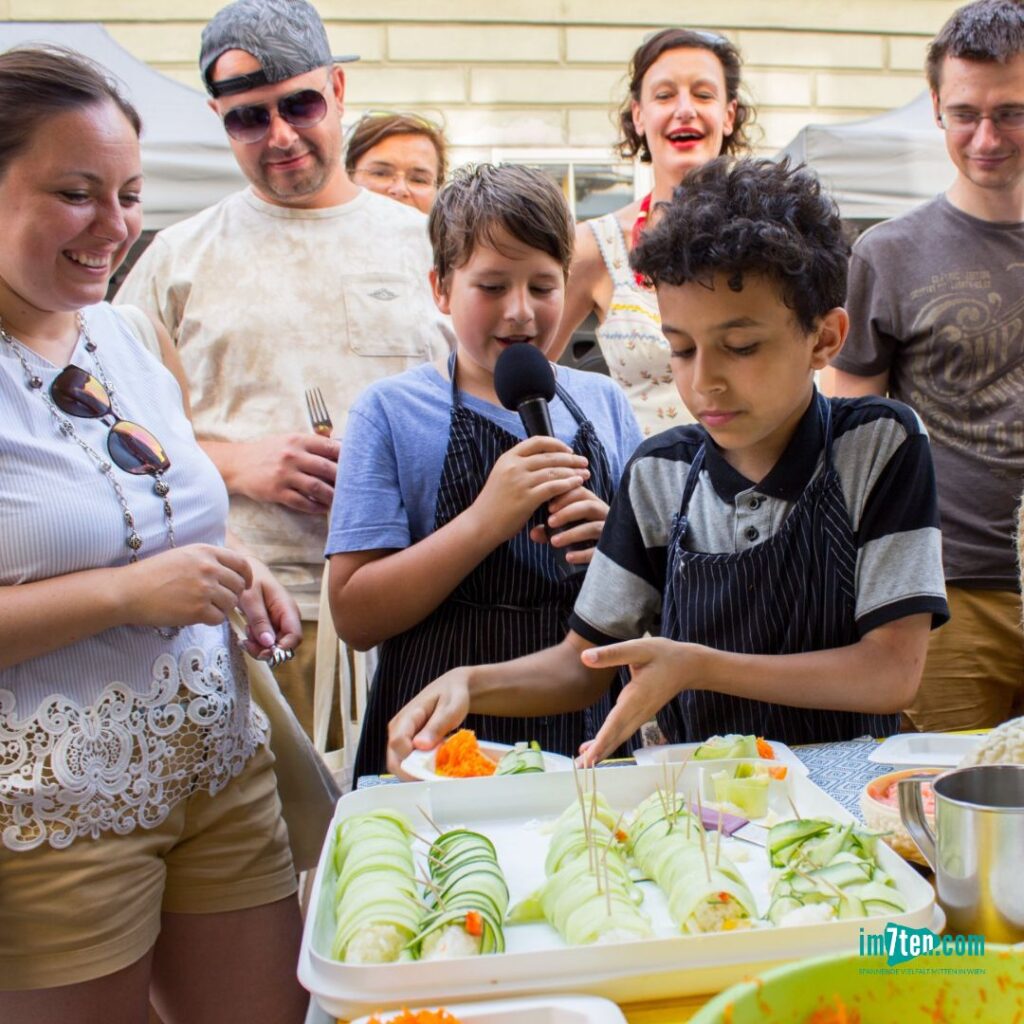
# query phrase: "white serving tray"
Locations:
[[925, 749], [513, 811], [676, 753], [531, 1010]]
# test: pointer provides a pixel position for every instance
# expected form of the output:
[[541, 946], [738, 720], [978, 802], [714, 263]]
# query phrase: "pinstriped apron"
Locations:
[[793, 592], [513, 603]]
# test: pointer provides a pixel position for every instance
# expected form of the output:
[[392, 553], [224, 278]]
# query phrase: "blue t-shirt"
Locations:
[[397, 436]]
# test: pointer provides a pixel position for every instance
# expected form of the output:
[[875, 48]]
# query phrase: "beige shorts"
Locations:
[[80, 913], [974, 673]]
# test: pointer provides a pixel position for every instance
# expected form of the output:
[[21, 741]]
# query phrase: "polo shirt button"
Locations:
[[754, 503], [752, 533]]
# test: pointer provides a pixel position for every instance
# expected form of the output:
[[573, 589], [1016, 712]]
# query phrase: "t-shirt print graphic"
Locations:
[[967, 382]]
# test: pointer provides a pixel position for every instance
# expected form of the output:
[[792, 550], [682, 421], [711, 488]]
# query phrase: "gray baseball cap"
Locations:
[[287, 37]]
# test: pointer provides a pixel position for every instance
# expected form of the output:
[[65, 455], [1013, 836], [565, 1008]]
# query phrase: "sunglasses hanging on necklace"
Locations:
[[132, 448]]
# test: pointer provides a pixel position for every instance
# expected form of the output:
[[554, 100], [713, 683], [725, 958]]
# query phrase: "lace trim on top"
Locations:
[[124, 761]]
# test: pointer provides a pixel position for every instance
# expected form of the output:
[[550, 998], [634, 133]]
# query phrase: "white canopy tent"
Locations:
[[185, 154], [881, 166]]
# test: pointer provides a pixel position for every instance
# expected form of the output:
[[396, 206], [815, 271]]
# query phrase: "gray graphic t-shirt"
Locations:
[[936, 297]]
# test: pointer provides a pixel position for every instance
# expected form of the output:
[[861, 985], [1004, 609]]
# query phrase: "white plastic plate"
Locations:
[[533, 1010], [420, 763], [925, 749], [516, 812], [676, 753]]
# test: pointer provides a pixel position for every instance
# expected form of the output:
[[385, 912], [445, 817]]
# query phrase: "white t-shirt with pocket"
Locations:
[[263, 302]]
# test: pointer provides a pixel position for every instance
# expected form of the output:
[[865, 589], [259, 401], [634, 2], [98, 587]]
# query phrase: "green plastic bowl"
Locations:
[[922, 991]]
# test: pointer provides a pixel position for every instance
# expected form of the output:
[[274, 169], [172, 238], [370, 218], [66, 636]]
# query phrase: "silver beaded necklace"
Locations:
[[133, 541]]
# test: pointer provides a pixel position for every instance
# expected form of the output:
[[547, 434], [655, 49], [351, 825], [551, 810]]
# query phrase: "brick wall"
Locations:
[[547, 73]]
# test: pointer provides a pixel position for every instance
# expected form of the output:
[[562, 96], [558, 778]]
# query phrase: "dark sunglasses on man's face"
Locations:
[[301, 109], [131, 446]]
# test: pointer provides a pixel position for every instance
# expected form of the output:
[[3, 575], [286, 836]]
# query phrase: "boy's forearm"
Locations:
[[549, 682], [387, 596], [877, 675]]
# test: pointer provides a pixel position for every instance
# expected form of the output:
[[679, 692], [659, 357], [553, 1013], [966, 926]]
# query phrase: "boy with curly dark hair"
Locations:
[[783, 552]]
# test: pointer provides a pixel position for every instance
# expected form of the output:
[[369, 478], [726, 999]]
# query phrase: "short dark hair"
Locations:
[[372, 129], [39, 82], [482, 199], [751, 217], [991, 31], [631, 143]]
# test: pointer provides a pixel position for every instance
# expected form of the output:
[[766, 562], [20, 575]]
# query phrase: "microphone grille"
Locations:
[[523, 372]]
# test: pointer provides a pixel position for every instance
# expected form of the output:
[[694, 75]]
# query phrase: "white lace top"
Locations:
[[630, 338], [108, 733]]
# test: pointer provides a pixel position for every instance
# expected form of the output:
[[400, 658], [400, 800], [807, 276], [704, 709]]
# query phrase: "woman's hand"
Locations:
[[659, 669], [198, 583], [270, 612], [580, 515], [527, 476], [423, 723]]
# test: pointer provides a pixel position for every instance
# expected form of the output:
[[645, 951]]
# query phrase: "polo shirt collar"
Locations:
[[788, 477]]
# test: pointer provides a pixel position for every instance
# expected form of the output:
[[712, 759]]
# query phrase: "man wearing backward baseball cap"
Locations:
[[301, 280]]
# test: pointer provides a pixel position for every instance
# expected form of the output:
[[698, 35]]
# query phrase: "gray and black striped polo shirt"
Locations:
[[881, 453]]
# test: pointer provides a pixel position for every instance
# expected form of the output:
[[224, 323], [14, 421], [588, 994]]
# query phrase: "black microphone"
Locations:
[[524, 382]]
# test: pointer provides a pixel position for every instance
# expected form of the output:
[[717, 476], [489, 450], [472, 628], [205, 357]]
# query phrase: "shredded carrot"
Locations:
[[778, 771], [460, 757], [474, 923], [836, 1014], [438, 1016], [621, 835], [764, 749]]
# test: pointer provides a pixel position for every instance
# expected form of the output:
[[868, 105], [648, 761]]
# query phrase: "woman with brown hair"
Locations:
[[403, 156], [142, 850], [683, 109]]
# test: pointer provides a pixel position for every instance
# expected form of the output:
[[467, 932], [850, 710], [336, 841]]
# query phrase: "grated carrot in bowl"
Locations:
[[438, 1016], [460, 757]]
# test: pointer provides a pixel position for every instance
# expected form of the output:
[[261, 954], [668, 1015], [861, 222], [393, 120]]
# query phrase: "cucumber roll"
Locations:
[[466, 900], [589, 896], [377, 906], [523, 759], [665, 838]]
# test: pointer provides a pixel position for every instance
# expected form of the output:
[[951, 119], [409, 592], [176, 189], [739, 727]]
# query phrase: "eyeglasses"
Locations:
[[132, 447], [967, 122], [386, 175], [301, 109]]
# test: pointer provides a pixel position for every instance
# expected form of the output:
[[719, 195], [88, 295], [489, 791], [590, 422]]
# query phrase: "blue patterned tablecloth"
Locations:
[[840, 769]]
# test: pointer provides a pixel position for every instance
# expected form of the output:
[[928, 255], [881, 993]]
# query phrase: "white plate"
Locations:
[[516, 813], [925, 749], [535, 1010], [420, 763], [677, 753]]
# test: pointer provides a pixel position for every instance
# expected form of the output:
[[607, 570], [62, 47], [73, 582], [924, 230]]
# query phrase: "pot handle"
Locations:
[[912, 815]]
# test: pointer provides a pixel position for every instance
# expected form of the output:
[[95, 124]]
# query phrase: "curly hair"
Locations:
[[480, 200], [751, 217], [990, 31], [631, 143]]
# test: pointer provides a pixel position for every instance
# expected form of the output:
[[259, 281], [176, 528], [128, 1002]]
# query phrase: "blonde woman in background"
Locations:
[[402, 156]]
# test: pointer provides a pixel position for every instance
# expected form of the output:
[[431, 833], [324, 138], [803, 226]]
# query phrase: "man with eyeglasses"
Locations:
[[301, 280], [936, 303]]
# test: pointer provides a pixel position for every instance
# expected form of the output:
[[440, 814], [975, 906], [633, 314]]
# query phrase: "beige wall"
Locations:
[[546, 73]]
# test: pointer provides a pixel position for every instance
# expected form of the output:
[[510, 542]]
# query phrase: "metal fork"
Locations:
[[318, 414]]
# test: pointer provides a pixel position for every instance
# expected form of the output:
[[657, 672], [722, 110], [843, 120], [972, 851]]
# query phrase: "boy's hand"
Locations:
[[659, 669], [582, 514], [524, 478], [432, 714]]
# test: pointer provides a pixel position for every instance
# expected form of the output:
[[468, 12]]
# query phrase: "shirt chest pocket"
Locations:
[[386, 315]]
